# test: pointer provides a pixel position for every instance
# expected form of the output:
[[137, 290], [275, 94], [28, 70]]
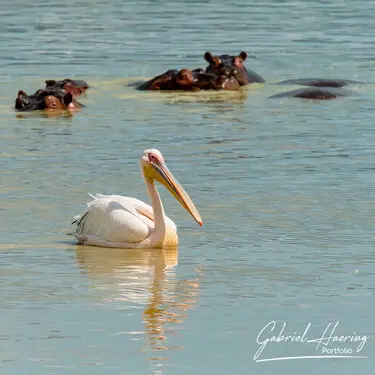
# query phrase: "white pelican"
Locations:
[[124, 222]]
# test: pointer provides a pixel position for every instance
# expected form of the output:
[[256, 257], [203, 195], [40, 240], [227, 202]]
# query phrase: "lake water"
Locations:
[[285, 189]]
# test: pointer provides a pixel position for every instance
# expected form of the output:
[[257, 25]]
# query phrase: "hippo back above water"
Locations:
[[316, 93], [320, 82], [76, 87]]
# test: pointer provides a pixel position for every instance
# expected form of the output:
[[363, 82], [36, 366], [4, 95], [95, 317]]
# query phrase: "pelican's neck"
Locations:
[[157, 207]]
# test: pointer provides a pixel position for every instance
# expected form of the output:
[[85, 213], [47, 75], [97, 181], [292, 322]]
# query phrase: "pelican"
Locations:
[[124, 222]]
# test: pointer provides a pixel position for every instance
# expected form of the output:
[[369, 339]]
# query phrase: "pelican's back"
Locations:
[[113, 218]]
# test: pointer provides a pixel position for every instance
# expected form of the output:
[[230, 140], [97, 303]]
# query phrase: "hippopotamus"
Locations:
[[160, 82], [190, 80], [319, 82], [46, 99], [322, 93], [235, 68], [232, 66], [76, 87], [183, 79]]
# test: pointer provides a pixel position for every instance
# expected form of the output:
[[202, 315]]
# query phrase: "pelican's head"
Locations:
[[154, 168]]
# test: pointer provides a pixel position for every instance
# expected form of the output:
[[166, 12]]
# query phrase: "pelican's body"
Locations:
[[118, 221], [115, 220]]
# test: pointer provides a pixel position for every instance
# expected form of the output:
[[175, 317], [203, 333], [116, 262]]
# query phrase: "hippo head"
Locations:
[[57, 103], [76, 87], [229, 65], [59, 100], [226, 82], [25, 102], [160, 82], [49, 100], [217, 81], [186, 80]]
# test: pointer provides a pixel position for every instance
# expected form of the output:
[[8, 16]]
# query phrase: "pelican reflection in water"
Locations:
[[124, 222], [147, 278]]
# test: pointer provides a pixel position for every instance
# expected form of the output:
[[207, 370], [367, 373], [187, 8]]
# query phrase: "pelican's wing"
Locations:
[[114, 218], [142, 208]]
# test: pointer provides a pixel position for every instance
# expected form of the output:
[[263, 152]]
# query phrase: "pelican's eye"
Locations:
[[152, 158]]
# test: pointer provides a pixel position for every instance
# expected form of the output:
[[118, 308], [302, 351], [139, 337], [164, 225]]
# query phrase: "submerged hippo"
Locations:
[[321, 93], [46, 99], [232, 66], [190, 80], [319, 82], [76, 87]]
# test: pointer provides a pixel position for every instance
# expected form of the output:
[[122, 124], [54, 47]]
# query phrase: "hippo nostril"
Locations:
[[224, 83]]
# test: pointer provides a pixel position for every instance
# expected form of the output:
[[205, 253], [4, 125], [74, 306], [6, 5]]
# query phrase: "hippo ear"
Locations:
[[243, 55], [68, 98], [39, 92], [21, 94], [50, 82], [208, 56]]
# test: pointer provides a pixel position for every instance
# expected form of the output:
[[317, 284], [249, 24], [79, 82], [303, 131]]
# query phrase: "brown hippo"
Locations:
[[76, 87], [160, 82], [47, 99], [190, 80], [233, 66]]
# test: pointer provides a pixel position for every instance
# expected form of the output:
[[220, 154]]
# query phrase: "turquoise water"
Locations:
[[285, 189]]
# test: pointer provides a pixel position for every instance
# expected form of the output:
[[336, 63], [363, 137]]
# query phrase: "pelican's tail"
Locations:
[[80, 220], [76, 219]]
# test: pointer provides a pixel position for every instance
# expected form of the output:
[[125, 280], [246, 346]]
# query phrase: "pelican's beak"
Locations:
[[161, 173]]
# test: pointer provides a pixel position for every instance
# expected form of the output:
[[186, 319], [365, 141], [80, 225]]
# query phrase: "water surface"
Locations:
[[285, 189]]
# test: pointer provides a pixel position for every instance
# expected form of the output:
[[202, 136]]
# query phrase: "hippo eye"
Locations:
[[216, 62]]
